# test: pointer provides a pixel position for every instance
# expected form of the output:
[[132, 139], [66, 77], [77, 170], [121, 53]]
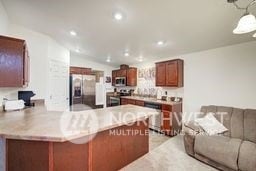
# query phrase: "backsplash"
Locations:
[[146, 85], [146, 82]]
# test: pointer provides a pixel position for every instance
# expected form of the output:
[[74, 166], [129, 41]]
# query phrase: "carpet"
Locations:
[[169, 156]]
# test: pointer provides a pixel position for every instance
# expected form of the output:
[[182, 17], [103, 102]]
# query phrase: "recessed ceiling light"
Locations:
[[108, 60], [140, 59], [73, 33], [118, 16], [160, 43], [126, 54], [254, 35], [78, 50]]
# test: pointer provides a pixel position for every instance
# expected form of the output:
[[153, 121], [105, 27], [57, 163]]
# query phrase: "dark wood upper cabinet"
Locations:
[[121, 73], [160, 74], [14, 62], [80, 71], [114, 77], [131, 77], [170, 73], [130, 74]]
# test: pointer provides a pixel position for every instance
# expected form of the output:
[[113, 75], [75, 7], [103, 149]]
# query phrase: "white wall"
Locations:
[[41, 49], [223, 76], [4, 22], [38, 52]]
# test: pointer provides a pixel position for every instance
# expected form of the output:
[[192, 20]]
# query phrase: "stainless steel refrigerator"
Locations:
[[83, 91]]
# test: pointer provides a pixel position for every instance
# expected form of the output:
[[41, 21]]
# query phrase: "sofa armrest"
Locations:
[[191, 129]]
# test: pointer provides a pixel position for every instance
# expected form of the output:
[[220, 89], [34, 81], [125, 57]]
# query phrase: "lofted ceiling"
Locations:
[[184, 25]]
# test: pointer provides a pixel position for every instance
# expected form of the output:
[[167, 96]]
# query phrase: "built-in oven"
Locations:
[[155, 120], [120, 81]]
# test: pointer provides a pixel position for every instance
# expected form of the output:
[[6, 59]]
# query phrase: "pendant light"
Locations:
[[246, 24]]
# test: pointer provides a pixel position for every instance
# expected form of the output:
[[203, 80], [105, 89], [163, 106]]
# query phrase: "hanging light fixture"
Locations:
[[247, 22]]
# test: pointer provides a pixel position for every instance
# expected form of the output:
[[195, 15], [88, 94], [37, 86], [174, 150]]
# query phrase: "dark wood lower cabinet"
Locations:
[[171, 119], [171, 116], [124, 101], [140, 103], [166, 126], [132, 102], [109, 150]]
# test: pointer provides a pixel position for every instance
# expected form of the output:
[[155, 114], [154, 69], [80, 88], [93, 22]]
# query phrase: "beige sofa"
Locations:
[[233, 150]]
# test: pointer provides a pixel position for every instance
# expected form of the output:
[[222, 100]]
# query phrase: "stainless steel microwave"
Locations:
[[120, 81]]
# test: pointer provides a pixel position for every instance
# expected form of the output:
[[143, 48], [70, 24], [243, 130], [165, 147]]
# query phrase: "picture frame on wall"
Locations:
[[108, 79]]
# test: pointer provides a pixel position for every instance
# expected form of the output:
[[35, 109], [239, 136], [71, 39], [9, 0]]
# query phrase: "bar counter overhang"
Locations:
[[33, 140]]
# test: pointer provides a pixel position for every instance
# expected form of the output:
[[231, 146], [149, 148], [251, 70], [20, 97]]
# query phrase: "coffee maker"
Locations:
[[26, 96]]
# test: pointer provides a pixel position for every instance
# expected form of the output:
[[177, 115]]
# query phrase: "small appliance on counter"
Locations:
[[26, 97], [12, 105]]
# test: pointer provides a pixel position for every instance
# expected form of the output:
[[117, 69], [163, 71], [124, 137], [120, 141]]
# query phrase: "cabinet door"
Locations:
[[124, 102], [166, 125], [75, 70], [118, 73], [160, 74], [132, 77], [121, 73], [11, 62], [85, 71], [172, 73], [140, 103], [130, 101], [114, 75]]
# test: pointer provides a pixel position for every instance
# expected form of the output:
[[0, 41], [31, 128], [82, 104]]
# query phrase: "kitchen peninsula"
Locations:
[[33, 139]]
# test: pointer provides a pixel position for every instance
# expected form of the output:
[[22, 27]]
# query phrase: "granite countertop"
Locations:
[[38, 124], [153, 100]]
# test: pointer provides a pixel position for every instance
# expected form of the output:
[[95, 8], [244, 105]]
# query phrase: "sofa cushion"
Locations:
[[247, 156], [237, 123], [208, 109], [250, 125], [211, 125], [224, 115], [192, 125], [222, 149], [221, 113]]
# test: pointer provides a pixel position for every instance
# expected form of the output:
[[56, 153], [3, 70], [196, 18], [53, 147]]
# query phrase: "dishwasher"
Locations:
[[155, 120]]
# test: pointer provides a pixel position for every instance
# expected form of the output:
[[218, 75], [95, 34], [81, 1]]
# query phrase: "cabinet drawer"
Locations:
[[139, 103], [167, 107]]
